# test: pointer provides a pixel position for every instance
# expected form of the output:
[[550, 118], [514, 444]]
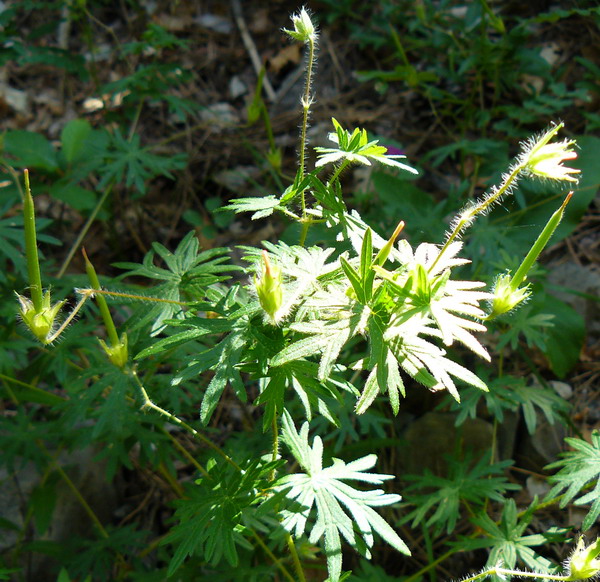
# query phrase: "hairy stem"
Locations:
[[306, 103], [148, 404], [67, 321], [467, 216], [295, 558]]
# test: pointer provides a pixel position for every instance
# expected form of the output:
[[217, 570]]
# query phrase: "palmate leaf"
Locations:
[[423, 284], [506, 540], [224, 358], [341, 510], [512, 393], [439, 500], [301, 377], [188, 274], [578, 469], [128, 160], [424, 361], [261, 206], [214, 511], [356, 147]]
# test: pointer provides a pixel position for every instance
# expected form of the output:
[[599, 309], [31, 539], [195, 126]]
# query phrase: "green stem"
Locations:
[[504, 572], [295, 558], [304, 229], [37, 394], [93, 292], [31, 251], [185, 453], [84, 230], [75, 491], [111, 330], [338, 171], [148, 404], [274, 558], [67, 321], [275, 452], [466, 217], [306, 103], [431, 565]]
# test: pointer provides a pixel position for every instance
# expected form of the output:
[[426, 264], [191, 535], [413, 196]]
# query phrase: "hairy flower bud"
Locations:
[[583, 564], [269, 287], [304, 29], [117, 354], [41, 322], [545, 159], [505, 296]]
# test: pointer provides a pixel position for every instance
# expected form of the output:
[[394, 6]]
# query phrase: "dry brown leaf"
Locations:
[[289, 54]]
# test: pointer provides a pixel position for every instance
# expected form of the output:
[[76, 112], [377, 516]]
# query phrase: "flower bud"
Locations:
[[269, 287], [40, 322], [583, 564], [385, 251], [304, 29], [506, 297], [544, 159], [118, 353]]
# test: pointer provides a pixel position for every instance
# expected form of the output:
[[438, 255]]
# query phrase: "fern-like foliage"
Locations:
[[341, 510], [579, 469]]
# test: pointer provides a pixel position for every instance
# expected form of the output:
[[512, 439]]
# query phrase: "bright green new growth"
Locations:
[[40, 321], [31, 252], [117, 349], [38, 313], [508, 292], [584, 562], [269, 287]]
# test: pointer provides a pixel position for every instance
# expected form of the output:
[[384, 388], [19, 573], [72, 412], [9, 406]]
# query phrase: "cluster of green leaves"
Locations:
[[486, 65]]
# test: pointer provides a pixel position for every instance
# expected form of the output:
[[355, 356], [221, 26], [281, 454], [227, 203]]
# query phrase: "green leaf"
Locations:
[[262, 206], [72, 138], [75, 196], [513, 393], [231, 349], [506, 540], [564, 341], [126, 160], [370, 391], [31, 150], [438, 499], [579, 469], [339, 509], [190, 273], [215, 508], [42, 502]]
